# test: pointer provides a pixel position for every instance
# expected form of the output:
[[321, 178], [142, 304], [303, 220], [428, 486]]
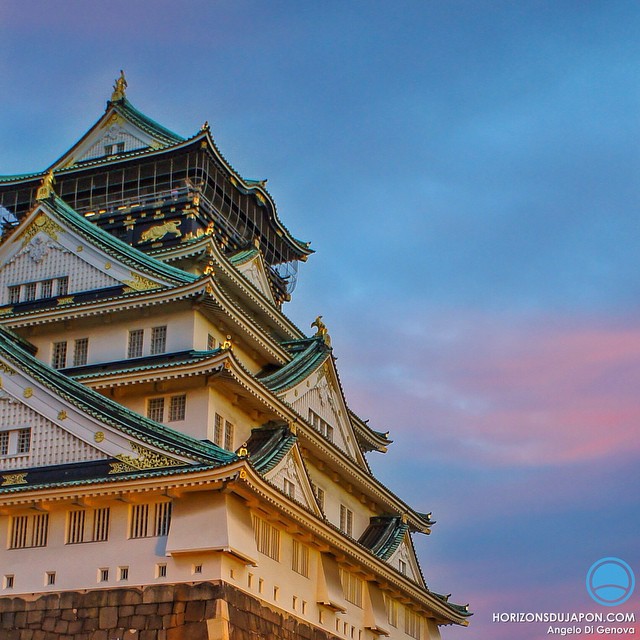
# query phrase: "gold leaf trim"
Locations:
[[41, 223], [6, 368], [14, 478], [140, 283], [62, 301], [146, 459]]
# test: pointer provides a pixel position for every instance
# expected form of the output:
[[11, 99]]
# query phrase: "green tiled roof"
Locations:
[[308, 355], [384, 535], [128, 111], [108, 411], [117, 248], [268, 445]]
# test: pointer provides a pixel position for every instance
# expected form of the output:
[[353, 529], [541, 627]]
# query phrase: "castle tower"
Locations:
[[177, 458]]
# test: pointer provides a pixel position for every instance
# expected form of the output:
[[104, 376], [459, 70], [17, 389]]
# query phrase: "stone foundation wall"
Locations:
[[204, 611]]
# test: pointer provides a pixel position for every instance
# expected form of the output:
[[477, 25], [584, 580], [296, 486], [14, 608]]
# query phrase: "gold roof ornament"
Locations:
[[45, 190], [119, 88], [205, 126], [243, 452], [322, 330], [227, 344]]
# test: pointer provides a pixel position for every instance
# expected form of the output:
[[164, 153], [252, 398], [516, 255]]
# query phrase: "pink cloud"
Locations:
[[528, 393]]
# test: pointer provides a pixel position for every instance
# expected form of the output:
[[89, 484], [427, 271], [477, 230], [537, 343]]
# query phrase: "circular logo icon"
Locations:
[[610, 581]]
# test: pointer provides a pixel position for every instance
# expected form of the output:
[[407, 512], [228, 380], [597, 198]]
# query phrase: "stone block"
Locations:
[[108, 618], [194, 611], [158, 593]]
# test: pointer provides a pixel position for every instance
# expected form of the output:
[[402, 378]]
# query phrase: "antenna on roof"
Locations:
[[119, 88]]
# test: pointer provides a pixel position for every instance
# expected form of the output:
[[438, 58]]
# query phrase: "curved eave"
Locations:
[[109, 412], [257, 188], [268, 445], [369, 439]]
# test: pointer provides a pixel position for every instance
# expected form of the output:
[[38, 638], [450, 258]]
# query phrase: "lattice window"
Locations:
[[24, 441], [411, 623], [289, 488], [346, 520], [30, 291], [155, 409], [63, 286], [150, 520], [14, 294], [300, 558], [320, 495], [136, 339], [177, 408], [351, 587], [158, 340], [4, 443], [59, 355], [46, 289], [211, 342], [80, 352], [267, 538], [29, 531], [392, 608], [223, 431]]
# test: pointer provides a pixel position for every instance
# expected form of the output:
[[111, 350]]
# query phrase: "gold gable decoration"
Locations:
[[41, 223], [146, 459], [14, 478], [140, 283]]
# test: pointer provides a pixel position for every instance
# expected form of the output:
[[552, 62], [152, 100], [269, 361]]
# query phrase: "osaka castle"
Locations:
[[177, 458]]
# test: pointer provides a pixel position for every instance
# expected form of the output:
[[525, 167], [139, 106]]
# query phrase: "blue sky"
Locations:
[[468, 175]]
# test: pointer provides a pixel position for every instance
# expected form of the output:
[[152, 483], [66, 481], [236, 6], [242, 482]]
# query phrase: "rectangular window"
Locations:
[[134, 349], [29, 531], [402, 567], [411, 623], [103, 575], [351, 587], [88, 525], [320, 496], [59, 355], [30, 291], [123, 573], [50, 578], [80, 352], [300, 558], [267, 538], [158, 340], [46, 289], [228, 435], [155, 409], [290, 488], [120, 147], [4, 443], [24, 441], [177, 408], [150, 520], [223, 431], [211, 341], [392, 611], [346, 520], [14, 294], [321, 425], [63, 286], [218, 431], [8, 582], [161, 571]]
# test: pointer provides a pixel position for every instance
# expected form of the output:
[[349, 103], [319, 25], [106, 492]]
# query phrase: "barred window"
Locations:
[[29, 531], [59, 355], [402, 567], [24, 441], [346, 520], [88, 525], [30, 291], [150, 520], [267, 538], [211, 342], [158, 340], [63, 286], [155, 409], [14, 294], [411, 623], [289, 488], [177, 408], [134, 349], [80, 352], [300, 558], [320, 495], [46, 289], [351, 587]]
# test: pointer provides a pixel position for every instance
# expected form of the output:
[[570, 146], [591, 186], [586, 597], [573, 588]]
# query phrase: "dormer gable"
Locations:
[[404, 560], [252, 266]]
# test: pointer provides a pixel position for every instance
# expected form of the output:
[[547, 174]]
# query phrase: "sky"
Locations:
[[467, 173]]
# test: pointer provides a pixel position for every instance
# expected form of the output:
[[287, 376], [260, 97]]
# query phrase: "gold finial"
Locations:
[[227, 343], [243, 452], [119, 88], [45, 190], [322, 330], [205, 126]]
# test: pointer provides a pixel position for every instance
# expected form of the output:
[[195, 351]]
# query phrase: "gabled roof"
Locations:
[[105, 410], [384, 535], [268, 445]]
